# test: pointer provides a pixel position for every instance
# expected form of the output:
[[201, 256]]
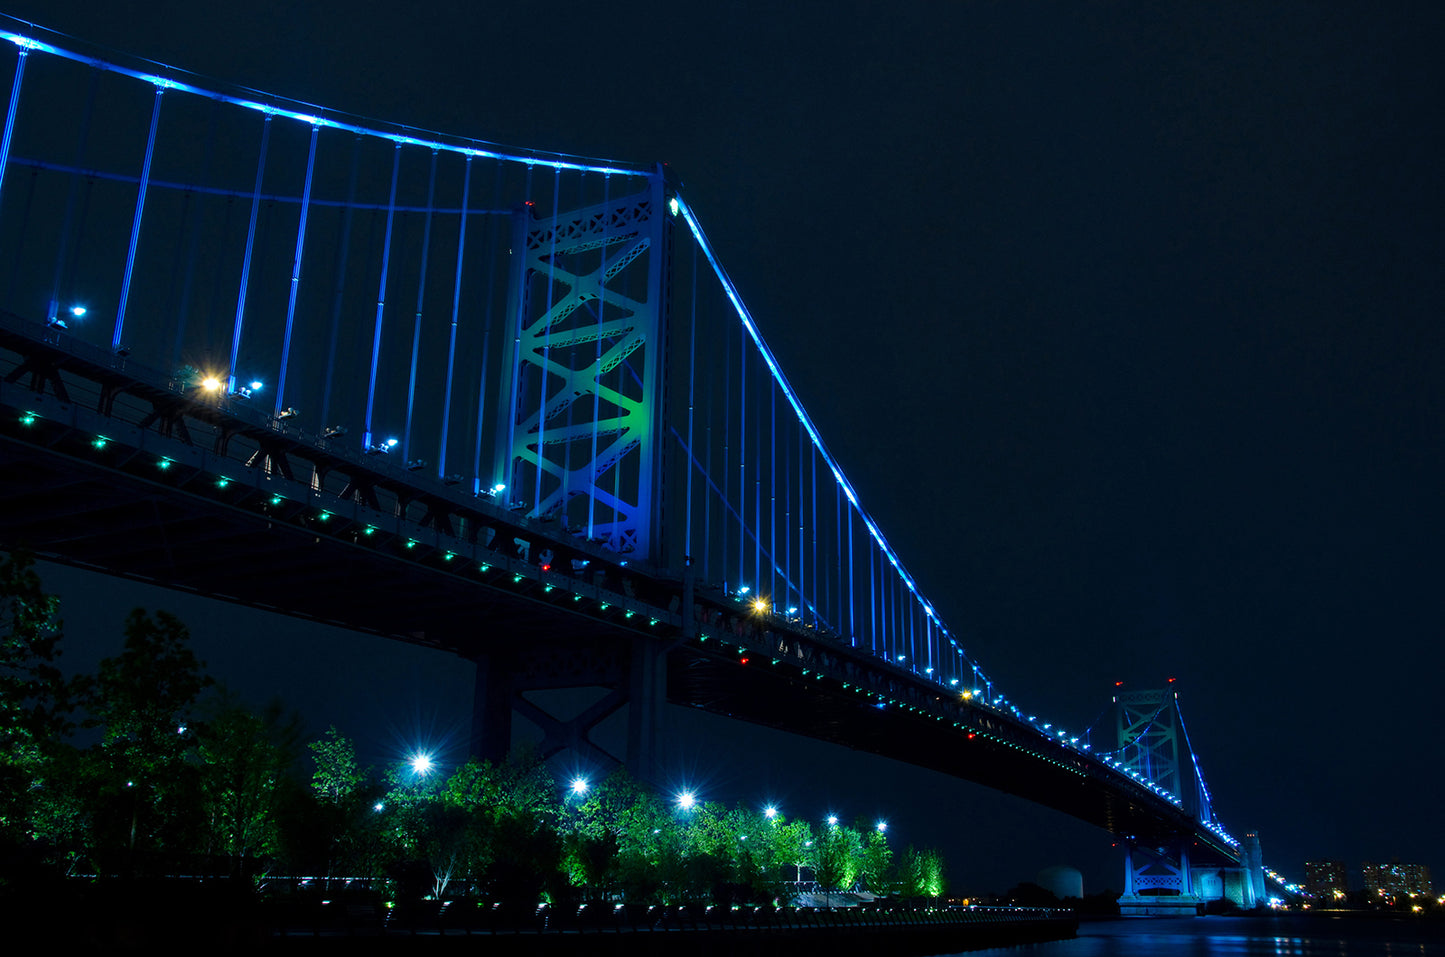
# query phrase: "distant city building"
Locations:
[[1390, 880], [1325, 880]]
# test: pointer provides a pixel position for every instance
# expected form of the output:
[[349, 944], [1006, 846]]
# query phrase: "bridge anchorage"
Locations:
[[505, 404]]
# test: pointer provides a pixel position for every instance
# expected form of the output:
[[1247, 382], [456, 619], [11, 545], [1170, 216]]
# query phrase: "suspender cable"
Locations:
[[773, 495], [343, 243], [787, 526], [742, 455], [813, 498], [488, 248], [758, 497], [442, 440], [296, 272], [519, 248], [546, 367], [852, 577], [803, 566], [596, 384], [431, 190], [691, 398], [381, 296], [246, 259], [727, 442], [872, 601], [140, 205], [10, 114]]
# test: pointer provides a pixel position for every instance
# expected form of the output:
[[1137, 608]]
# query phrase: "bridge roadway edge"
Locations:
[[208, 524]]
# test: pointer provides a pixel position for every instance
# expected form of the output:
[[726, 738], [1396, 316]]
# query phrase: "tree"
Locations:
[[143, 700], [35, 700], [875, 862], [921, 873], [337, 776], [244, 758], [838, 852], [338, 831]]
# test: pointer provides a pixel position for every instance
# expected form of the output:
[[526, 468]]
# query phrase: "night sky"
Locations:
[[1124, 320]]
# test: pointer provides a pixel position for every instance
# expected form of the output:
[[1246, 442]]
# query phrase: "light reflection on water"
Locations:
[[1284, 936]]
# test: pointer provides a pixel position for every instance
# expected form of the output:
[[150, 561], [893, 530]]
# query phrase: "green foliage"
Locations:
[[244, 759], [148, 800], [838, 856], [35, 701], [161, 790], [921, 873], [876, 861], [337, 776]]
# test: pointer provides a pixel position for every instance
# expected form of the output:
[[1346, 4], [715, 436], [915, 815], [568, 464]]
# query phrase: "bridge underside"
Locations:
[[72, 511], [147, 500]]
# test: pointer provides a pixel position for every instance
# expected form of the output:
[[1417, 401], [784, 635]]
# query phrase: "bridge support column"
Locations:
[[491, 736], [647, 693], [1158, 881]]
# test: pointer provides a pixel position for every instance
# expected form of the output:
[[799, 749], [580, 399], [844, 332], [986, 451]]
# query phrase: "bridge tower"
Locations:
[[1171, 877], [577, 452], [1150, 742]]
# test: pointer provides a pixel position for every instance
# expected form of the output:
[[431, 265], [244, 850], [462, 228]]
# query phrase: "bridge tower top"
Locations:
[[1150, 739]]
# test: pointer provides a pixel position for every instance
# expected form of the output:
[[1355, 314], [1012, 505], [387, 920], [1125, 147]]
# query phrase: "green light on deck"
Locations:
[[370, 530], [411, 543], [276, 500], [548, 590], [222, 482], [99, 441], [516, 578], [449, 556], [163, 464], [629, 614], [323, 516], [28, 418], [484, 569], [605, 606]]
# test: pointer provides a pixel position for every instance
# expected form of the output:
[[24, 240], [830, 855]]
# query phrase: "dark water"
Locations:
[[1306, 935]]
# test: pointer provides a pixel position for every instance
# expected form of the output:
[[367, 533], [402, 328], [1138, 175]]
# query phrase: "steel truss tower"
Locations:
[[580, 423]]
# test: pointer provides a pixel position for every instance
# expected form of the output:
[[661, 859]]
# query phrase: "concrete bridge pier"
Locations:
[[1159, 882], [1163, 881]]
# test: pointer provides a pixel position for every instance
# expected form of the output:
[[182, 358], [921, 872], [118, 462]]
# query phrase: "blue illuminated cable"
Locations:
[[745, 317], [339, 279], [431, 186], [545, 366], [691, 399], [596, 383], [522, 223], [727, 406], [452, 343], [489, 257], [742, 453], [872, 601], [140, 205], [758, 496], [246, 258], [12, 109], [295, 274], [318, 116], [381, 295]]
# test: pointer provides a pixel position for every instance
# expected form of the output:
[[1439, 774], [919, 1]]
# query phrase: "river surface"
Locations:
[[1283, 936]]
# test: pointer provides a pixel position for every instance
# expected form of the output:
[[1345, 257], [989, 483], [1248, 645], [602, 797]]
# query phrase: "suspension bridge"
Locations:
[[502, 403]]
